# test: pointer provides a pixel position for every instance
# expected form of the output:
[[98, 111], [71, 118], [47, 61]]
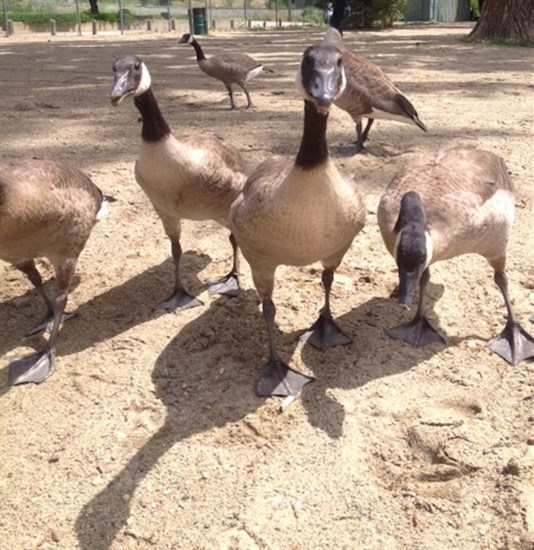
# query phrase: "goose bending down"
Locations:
[[47, 209], [191, 176], [369, 92], [444, 204], [297, 211], [228, 67]]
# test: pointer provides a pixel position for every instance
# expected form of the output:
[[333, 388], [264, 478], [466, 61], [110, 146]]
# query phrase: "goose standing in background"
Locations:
[[47, 209], [228, 67], [369, 92], [441, 205], [297, 211], [191, 176]]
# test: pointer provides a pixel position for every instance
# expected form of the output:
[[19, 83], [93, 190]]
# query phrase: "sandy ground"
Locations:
[[149, 434]]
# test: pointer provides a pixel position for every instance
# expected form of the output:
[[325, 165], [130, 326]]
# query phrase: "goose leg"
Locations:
[[513, 344], [180, 299], [324, 333], [418, 332], [36, 368], [365, 133], [361, 136], [34, 276], [249, 101], [229, 284], [231, 93], [277, 379]]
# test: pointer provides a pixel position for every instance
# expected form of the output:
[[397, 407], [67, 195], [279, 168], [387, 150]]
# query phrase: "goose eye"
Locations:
[[137, 66]]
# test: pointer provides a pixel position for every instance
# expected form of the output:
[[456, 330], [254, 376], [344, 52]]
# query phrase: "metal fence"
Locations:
[[122, 15]]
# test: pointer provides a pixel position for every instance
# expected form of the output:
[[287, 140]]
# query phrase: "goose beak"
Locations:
[[322, 90], [121, 89], [407, 284]]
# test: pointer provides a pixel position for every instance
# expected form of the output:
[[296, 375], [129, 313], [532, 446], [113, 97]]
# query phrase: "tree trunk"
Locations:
[[94, 7], [506, 19]]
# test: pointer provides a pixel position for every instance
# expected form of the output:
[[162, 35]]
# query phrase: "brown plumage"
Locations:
[[228, 67], [369, 92], [297, 211], [443, 204], [47, 209], [190, 176]]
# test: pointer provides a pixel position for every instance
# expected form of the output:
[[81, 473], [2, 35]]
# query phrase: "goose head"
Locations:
[[187, 38], [130, 77], [413, 248], [321, 77]]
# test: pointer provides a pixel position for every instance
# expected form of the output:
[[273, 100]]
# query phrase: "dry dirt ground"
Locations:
[[149, 434]]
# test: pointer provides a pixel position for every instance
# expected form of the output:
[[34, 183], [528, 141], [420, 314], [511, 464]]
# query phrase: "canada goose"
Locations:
[[296, 211], [369, 92], [444, 204], [228, 67], [47, 209], [191, 176]]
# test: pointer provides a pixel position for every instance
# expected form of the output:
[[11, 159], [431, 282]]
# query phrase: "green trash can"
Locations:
[[197, 19]]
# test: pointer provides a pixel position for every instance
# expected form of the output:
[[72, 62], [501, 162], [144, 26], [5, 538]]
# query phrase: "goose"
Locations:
[[443, 204], [47, 209], [228, 67], [190, 176], [297, 211], [369, 92]]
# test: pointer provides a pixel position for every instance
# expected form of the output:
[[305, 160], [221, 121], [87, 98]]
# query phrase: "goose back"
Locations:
[[369, 91], [46, 209], [467, 197]]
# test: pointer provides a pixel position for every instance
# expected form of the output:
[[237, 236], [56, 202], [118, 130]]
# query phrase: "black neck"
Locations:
[[154, 125], [313, 149], [198, 49]]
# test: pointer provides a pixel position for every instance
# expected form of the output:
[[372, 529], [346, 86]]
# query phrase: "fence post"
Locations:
[[53, 27], [93, 24], [148, 25]]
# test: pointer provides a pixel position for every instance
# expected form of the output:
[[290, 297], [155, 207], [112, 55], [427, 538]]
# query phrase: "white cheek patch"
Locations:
[[146, 81], [298, 83], [429, 248], [254, 72], [343, 82], [428, 244]]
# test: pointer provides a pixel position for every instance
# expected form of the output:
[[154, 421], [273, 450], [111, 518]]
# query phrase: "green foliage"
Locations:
[[312, 16], [43, 18], [66, 19], [374, 13]]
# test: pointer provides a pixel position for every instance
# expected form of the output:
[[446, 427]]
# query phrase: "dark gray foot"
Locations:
[[279, 380], [178, 301], [229, 285], [46, 324], [325, 334], [418, 333], [513, 344], [32, 369]]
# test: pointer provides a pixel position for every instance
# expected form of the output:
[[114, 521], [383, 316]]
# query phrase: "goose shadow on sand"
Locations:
[[205, 377], [102, 317]]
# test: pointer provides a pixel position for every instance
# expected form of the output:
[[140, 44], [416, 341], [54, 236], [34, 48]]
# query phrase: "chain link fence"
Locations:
[[198, 16]]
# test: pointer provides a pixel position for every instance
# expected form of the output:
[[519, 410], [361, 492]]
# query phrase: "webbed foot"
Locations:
[[280, 380], [34, 368], [324, 334], [46, 324], [179, 300], [228, 285], [513, 344], [418, 332]]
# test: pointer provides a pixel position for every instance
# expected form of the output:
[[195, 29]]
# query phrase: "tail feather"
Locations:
[[406, 106]]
